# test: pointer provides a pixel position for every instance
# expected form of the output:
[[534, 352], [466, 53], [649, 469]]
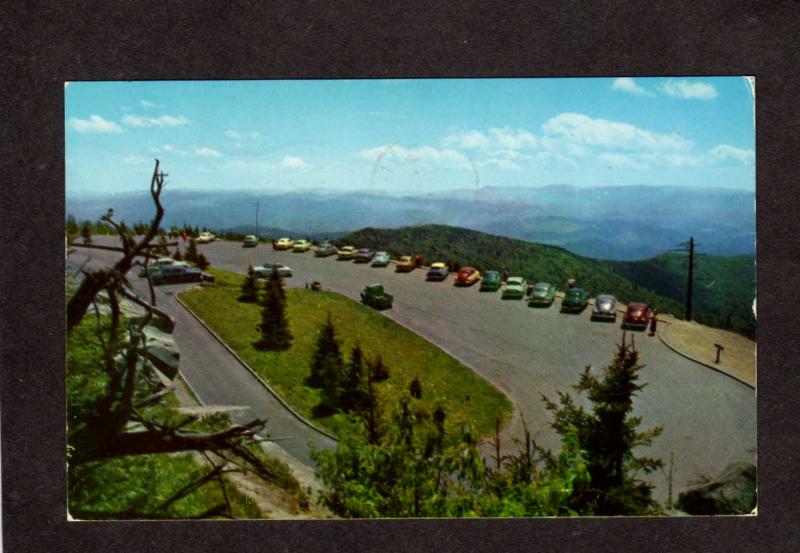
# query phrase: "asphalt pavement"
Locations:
[[709, 419]]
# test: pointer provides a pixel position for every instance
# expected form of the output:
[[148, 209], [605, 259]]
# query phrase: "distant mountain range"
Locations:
[[621, 223]]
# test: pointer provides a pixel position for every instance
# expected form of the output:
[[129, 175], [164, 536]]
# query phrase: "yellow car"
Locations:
[[346, 252], [301, 246], [284, 244], [405, 264]]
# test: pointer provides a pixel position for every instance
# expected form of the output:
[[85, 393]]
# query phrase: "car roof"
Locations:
[[515, 279], [606, 297], [463, 269], [576, 290], [437, 265], [638, 305]]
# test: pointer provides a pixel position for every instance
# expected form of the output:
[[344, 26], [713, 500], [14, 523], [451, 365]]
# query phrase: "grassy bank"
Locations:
[[463, 394]]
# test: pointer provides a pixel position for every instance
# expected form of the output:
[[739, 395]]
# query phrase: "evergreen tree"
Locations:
[[249, 291], [353, 390], [274, 327], [203, 264], [177, 255], [378, 370], [71, 228], [607, 435], [86, 232], [327, 366], [415, 388], [191, 251]]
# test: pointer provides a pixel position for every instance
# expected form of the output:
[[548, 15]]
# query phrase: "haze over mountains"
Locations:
[[622, 223]]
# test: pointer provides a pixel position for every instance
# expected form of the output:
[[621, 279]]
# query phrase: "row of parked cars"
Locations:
[[539, 294]]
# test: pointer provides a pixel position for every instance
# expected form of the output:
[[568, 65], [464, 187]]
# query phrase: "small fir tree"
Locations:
[[327, 366], [202, 262], [177, 255], [274, 327], [353, 390], [86, 232], [249, 291], [607, 435], [378, 370], [191, 251], [415, 388]]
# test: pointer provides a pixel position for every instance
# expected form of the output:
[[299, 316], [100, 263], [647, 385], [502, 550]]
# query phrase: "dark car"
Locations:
[[325, 250], [575, 299], [637, 316], [174, 274], [374, 296], [364, 255], [467, 276], [491, 281], [605, 307], [438, 271]]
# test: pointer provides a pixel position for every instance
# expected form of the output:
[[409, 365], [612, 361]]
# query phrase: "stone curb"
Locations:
[[263, 382], [691, 358]]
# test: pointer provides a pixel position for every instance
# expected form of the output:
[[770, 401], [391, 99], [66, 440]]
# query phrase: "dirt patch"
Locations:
[[737, 359]]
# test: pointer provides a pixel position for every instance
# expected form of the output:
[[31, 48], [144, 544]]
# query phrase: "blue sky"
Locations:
[[412, 136]]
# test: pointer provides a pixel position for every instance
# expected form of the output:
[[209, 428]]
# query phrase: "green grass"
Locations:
[[445, 381]]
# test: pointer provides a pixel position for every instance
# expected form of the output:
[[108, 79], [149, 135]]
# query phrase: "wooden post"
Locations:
[[719, 349]]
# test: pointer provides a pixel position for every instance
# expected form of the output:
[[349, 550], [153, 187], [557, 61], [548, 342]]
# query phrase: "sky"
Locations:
[[410, 135]]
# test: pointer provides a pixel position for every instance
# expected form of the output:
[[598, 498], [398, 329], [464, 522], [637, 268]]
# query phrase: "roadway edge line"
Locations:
[[263, 382], [710, 366]]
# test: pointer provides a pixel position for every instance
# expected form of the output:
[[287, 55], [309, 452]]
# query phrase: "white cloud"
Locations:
[[421, 154], [168, 147], [504, 164], [499, 138], [94, 125], [255, 135], [148, 105], [164, 121], [576, 128], [468, 140], [688, 90], [620, 160], [292, 162], [725, 151], [626, 84], [205, 151], [233, 134]]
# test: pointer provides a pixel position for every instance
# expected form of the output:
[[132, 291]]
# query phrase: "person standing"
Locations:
[[653, 322], [571, 282]]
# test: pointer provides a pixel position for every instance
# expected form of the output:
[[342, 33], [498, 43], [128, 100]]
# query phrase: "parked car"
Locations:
[[174, 274], [283, 244], [543, 293], [515, 288], [374, 296], [575, 299], [347, 253], [325, 250], [266, 270], [467, 276], [159, 263], [491, 281], [438, 271], [301, 246], [406, 264], [637, 315], [605, 307], [250, 241], [206, 237], [364, 255], [381, 259]]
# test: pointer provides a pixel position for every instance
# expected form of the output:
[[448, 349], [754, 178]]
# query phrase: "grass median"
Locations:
[[464, 395]]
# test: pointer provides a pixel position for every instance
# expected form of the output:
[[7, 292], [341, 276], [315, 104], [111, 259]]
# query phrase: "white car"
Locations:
[[266, 270], [206, 237]]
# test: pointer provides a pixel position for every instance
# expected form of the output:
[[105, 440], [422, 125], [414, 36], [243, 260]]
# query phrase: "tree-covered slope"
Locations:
[[724, 287], [536, 262]]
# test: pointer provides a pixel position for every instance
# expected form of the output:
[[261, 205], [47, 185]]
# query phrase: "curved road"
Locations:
[[214, 375], [709, 419]]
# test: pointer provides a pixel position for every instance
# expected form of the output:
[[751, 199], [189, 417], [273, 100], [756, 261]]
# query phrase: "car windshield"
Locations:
[[381, 254], [604, 304], [573, 293], [515, 282]]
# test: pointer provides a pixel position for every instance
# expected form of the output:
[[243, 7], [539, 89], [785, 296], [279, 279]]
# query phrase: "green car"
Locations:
[[490, 282], [543, 294], [575, 299], [515, 288], [374, 296]]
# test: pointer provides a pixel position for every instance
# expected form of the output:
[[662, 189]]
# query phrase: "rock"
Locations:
[[162, 351], [732, 493]]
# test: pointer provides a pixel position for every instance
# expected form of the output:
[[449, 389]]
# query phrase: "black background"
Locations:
[[45, 44]]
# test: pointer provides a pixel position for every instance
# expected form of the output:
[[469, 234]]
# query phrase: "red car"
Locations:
[[637, 315], [467, 276]]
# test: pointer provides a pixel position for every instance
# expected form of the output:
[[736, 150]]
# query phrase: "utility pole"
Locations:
[[258, 204], [689, 281]]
